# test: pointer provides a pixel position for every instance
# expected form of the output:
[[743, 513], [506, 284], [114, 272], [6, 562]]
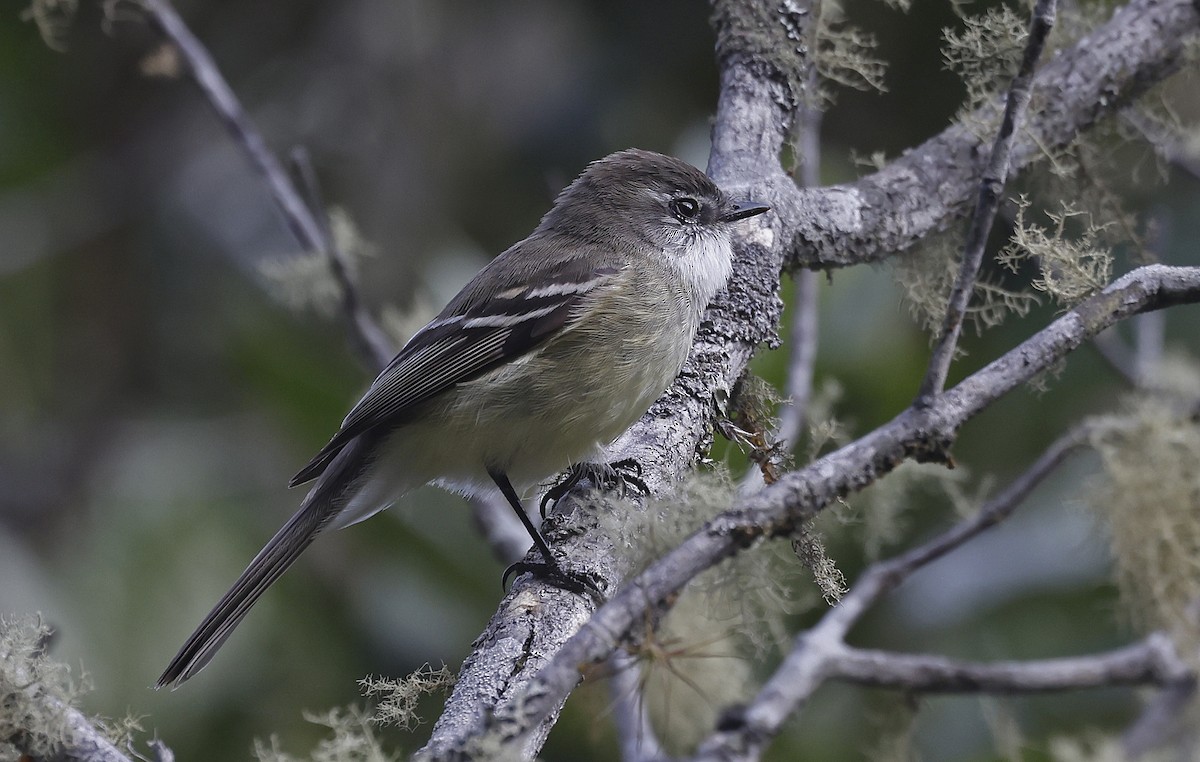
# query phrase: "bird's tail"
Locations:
[[320, 507]]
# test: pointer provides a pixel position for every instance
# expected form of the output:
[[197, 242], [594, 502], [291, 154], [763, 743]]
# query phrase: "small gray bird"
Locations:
[[543, 359]]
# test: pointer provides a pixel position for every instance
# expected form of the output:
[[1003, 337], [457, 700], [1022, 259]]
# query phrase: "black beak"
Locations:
[[742, 210]]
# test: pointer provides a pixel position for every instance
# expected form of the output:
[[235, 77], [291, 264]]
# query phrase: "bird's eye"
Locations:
[[685, 209]]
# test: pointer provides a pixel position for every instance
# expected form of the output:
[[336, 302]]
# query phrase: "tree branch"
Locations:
[[743, 736], [816, 654], [1152, 661], [229, 110], [1159, 717], [83, 742], [991, 189], [366, 337], [924, 190]]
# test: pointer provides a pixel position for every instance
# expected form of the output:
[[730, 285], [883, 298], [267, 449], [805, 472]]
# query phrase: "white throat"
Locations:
[[705, 265]]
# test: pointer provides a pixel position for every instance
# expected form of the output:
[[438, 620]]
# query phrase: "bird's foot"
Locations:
[[550, 572], [618, 475]]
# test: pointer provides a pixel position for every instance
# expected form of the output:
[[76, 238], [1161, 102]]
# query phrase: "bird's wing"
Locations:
[[469, 338]]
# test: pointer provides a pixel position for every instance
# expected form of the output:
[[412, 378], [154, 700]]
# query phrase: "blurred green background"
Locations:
[[154, 399]]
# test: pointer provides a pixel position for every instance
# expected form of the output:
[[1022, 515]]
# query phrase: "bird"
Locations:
[[544, 358]]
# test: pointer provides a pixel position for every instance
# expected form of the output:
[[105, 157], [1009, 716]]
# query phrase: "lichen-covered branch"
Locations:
[[82, 741], [817, 653], [928, 187], [37, 719]]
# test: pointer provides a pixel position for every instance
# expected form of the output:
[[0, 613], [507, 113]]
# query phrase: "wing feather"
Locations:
[[462, 344]]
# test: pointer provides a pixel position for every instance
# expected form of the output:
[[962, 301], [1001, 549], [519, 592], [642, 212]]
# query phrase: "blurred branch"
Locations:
[[1138, 364], [635, 734], [802, 359], [365, 334], [1169, 147], [1152, 661], [991, 188], [305, 218], [1117, 354], [220, 96], [1160, 715], [499, 526]]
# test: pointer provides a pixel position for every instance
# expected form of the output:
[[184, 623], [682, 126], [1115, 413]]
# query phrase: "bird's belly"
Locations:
[[530, 420]]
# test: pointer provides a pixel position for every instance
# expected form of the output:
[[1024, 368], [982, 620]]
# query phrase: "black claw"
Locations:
[[580, 584], [513, 568], [628, 464], [626, 472], [556, 493]]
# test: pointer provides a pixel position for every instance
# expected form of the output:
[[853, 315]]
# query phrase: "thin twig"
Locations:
[[216, 90], [886, 575], [635, 734], [305, 219], [991, 188], [367, 338], [803, 344], [1170, 148]]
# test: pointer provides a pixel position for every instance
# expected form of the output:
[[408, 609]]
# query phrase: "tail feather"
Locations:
[[321, 506]]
